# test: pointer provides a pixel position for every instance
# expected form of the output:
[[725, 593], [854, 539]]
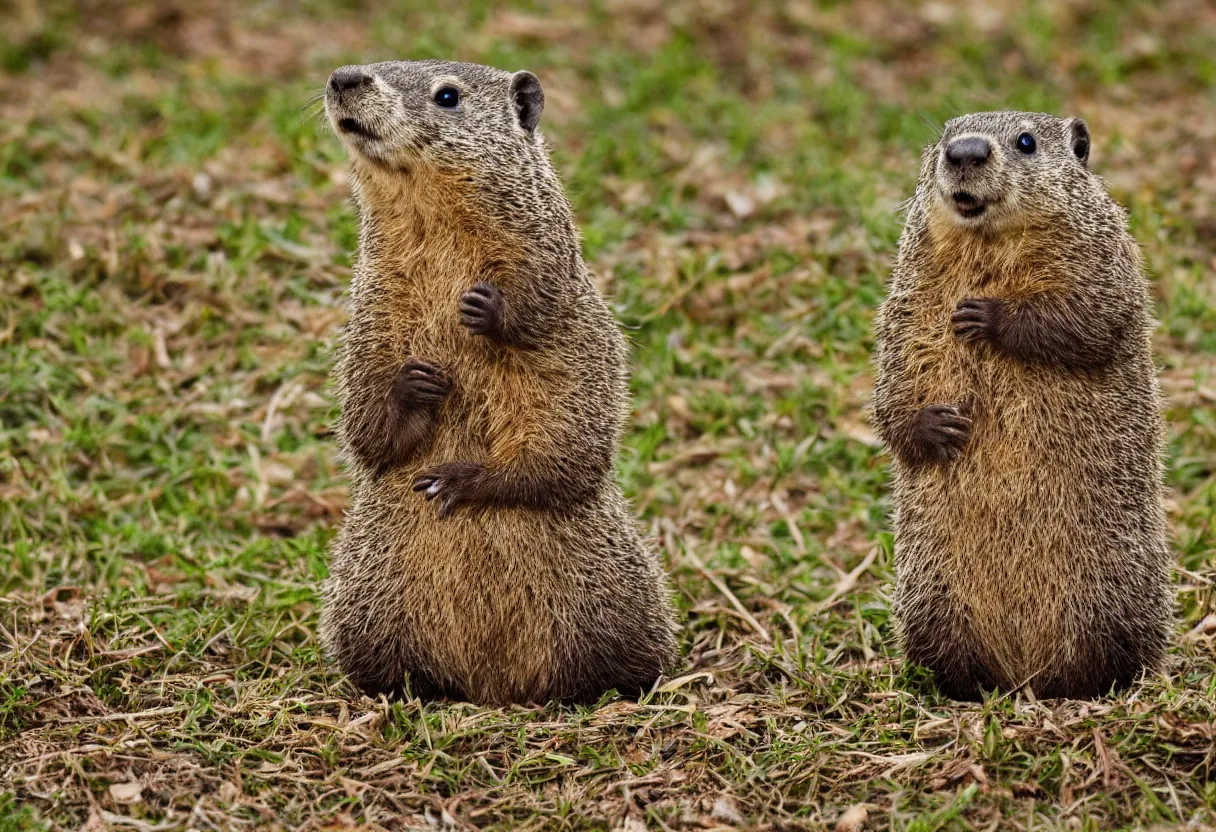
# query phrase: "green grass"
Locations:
[[175, 249]]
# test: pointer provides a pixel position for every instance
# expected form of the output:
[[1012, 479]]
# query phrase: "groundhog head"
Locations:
[[991, 172], [407, 115]]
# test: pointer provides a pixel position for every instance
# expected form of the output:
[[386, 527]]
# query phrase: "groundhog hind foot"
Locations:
[[374, 677], [1103, 670], [629, 666], [960, 687], [960, 676], [628, 685]]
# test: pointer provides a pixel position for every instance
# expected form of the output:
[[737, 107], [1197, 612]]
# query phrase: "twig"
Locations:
[[788, 516], [1103, 759], [730, 596], [846, 584]]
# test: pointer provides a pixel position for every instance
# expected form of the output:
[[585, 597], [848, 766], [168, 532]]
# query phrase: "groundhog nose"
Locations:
[[970, 151], [348, 78]]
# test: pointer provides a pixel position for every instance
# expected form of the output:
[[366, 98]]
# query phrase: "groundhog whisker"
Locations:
[[937, 129]]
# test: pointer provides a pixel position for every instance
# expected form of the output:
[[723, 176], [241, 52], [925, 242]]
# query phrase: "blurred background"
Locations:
[[175, 242]]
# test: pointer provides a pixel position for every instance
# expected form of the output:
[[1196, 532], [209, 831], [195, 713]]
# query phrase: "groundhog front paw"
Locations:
[[941, 431], [419, 384], [453, 483], [481, 310], [975, 319]]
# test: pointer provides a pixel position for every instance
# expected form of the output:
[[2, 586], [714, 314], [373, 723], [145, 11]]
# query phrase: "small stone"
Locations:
[[126, 792], [852, 819], [726, 811], [201, 185]]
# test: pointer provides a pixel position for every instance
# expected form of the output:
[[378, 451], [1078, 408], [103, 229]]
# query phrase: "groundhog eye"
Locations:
[[1026, 143], [447, 97]]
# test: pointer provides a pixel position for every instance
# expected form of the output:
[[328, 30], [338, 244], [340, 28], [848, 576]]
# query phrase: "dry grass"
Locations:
[[175, 247]]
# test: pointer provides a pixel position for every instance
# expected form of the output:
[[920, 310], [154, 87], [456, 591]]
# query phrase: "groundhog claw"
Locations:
[[453, 483], [420, 383], [942, 431], [974, 319], [481, 310]]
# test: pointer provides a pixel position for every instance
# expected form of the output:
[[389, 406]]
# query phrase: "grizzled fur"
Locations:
[[1017, 394], [488, 552]]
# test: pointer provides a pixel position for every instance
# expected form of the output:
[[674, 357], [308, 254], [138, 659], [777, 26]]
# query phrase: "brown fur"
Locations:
[[1017, 393], [488, 553]]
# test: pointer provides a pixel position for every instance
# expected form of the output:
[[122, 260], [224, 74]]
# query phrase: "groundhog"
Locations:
[[488, 553], [1017, 394]]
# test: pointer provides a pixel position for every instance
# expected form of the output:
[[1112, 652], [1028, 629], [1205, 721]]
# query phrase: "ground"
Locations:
[[176, 242]]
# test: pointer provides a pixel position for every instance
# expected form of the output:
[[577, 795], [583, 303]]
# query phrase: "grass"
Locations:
[[174, 253]]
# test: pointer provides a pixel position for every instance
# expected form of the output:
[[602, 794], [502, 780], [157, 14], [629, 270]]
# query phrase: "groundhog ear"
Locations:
[[529, 99], [1078, 138]]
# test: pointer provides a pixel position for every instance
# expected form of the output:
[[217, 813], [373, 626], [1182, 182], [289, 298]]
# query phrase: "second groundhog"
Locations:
[[1017, 393], [488, 553]]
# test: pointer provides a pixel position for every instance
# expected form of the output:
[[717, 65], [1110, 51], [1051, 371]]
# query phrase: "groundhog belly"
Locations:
[[1015, 511], [485, 587], [485, 590]]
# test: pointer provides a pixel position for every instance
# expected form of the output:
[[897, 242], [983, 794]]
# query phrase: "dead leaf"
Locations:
[[126, 792], [740, 204], [631, 824], [726, 811], [1206, 626], [66, 601], [852, 819]]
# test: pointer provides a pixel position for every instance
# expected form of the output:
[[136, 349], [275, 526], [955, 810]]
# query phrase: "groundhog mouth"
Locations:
[[968, 205], [350, 125]]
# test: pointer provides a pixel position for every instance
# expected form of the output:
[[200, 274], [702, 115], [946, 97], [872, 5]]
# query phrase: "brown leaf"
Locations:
[[66, 601], [852, 819], [126, 792], [726, 811]]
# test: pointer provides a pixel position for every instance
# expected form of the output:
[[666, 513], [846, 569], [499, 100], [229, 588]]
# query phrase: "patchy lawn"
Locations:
[[175, 246]]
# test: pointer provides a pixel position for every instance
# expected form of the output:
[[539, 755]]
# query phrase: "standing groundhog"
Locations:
[[488, 553], [1017, 393]]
